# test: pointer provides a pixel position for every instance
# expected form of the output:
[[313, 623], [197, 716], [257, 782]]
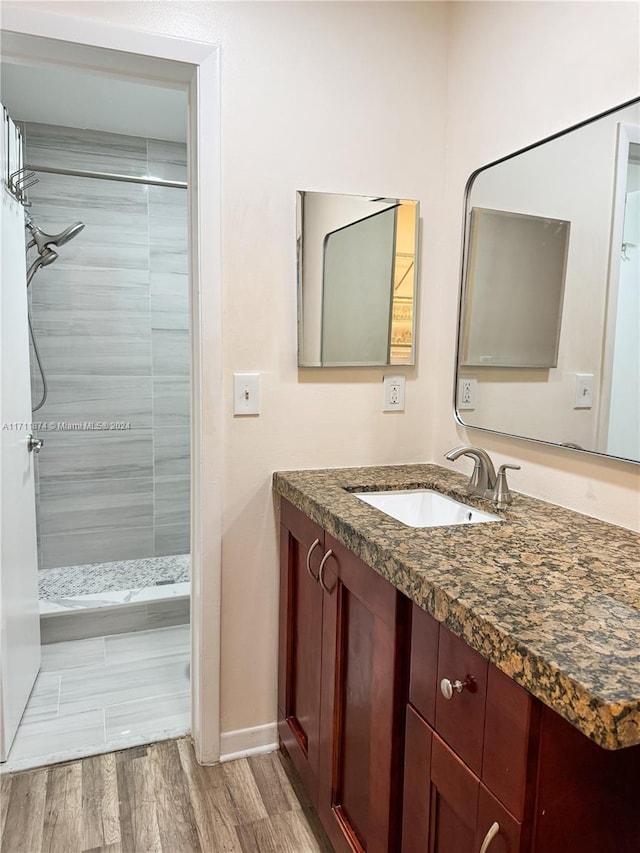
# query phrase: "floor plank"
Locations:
[[276, 792], [176, 822], [244, 797], [100, 813], [5, 793], [138, 816], [63, 809], [216, 829], [157, 799], [24, 824]]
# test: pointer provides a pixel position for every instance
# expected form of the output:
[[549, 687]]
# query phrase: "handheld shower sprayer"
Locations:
[[46, 255]]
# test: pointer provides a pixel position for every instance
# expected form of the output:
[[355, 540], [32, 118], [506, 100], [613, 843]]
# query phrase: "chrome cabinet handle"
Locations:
[[309, 553], [493, 830], [323, 563], [34, 445], [448, 688]]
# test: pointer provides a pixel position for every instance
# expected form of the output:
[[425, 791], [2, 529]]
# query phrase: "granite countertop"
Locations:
[[549, 596]]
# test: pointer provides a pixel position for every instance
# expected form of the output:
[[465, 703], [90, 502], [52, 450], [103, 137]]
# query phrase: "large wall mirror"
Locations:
[[549, 331], [357, 281]]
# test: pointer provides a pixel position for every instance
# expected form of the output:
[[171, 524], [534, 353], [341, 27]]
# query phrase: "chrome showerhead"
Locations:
[[42, 240]]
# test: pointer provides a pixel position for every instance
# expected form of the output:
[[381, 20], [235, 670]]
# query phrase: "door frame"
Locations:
[[35, 37]]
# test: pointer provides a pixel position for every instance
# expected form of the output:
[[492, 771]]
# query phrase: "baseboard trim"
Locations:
[[253, 741]]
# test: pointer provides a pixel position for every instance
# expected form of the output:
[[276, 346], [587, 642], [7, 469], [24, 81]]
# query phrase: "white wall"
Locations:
[[517, 73], [304, 84]]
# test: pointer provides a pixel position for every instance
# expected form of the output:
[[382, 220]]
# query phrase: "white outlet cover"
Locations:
[[394, 393], [467, 393]]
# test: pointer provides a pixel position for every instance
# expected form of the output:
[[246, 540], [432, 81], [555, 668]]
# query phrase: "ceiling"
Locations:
[[69, 97]]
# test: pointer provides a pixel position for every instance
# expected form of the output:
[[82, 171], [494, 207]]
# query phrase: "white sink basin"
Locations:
[[425, 508]]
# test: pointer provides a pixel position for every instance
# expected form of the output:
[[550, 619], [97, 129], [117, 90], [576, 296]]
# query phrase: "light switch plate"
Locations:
[[246, 394], [584, 391]]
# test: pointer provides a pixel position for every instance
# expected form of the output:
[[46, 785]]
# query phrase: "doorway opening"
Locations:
[[115, 531]]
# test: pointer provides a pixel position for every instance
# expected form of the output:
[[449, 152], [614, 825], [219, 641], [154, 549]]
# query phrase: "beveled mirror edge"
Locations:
[[307, 365], [464, 243]]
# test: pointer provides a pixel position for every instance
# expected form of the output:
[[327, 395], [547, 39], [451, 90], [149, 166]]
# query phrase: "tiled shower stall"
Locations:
[[111, 320]]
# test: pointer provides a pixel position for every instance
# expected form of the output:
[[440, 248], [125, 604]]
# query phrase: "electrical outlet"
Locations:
[[393, 393], [467, 389]]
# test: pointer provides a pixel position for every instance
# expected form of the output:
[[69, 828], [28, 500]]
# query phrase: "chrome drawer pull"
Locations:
[[493, 830], [448, 688], [309, 553], [323, 563]]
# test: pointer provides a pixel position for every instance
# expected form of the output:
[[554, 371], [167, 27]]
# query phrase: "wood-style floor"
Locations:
[[156, 798]]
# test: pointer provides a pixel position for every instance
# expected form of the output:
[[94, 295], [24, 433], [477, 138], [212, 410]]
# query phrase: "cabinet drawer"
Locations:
[[424, 663], [460, 719]]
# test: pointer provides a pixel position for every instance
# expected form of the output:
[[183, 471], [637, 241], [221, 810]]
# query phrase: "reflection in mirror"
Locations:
[[357, 261], [550, 306]]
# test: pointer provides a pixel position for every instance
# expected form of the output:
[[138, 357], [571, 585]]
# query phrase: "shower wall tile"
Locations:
[[96, 455], [86, 324], [123, 544], [167, 203], [168, 259], [76, 506], [171, 401], [171, 500], [167, 160], [172, 539], [50, 145], [77, 347], [91, 288], [121, 220], [76, 399], [92, 201], [170, 352], [171, 454], [168, 230], [169, 300]]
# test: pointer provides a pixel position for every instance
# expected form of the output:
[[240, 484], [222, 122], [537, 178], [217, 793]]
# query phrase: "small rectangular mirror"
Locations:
[[357, 281]]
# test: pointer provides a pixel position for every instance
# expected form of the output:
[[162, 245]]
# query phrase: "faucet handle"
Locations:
[[502, 496]]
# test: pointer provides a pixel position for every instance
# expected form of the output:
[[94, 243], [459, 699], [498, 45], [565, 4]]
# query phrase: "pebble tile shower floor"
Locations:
[[68, 581]]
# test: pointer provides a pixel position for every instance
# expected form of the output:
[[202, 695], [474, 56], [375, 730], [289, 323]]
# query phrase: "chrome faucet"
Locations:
[[484, 480]]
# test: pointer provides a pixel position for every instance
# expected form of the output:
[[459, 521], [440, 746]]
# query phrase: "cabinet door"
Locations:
[[300, 644], [363, 694], [417, 772], [453, 803]]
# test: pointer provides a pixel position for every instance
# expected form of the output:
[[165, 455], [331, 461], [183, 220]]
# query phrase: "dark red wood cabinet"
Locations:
[[395, 763], [492, 770], [342, 690]]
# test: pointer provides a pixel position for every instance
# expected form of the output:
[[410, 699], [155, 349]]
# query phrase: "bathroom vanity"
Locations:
[[458, 688]]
